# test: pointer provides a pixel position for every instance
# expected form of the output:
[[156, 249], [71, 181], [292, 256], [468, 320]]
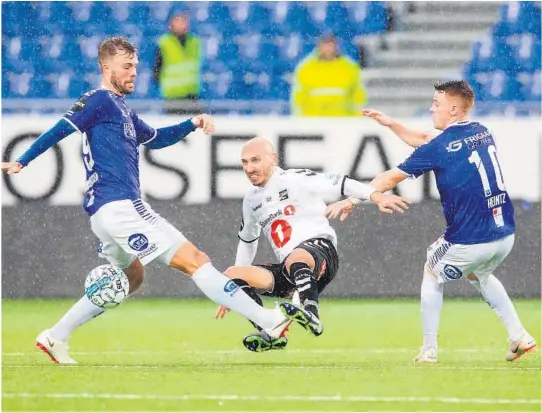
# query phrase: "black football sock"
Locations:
[[306, 285]]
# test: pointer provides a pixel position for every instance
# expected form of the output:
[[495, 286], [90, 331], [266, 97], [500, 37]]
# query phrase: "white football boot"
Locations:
[[57, 350], [519, 347], [427, 355]]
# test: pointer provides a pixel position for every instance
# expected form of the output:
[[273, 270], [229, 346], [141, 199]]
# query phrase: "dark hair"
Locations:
[[110, 46], [457, 88]]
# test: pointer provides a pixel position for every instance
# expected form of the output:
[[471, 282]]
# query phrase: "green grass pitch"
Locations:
[[172, 355]]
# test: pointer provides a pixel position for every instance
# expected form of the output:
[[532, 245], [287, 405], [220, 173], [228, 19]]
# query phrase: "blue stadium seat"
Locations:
[[531, 91], [299, 20], [217, 82], [369, 17], [19, 84], [517, 17], [491, 54], [338, 20], [501, 87], [527, 52]]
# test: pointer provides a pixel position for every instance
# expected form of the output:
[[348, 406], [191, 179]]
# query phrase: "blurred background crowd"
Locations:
[[300, 58]]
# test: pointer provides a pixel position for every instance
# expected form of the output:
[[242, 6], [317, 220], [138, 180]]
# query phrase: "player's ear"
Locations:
[[274, 157]]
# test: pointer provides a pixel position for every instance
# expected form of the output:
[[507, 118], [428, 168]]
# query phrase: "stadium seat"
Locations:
[[531, 90], [527, 52]]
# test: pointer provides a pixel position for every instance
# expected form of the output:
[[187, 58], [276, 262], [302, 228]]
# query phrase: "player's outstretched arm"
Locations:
[[170, 135], [46, 140], [411, 137]]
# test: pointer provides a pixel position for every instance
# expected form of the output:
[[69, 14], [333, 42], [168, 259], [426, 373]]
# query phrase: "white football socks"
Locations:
[[431, 304], [224, 291], [81, 312], [497, 298]]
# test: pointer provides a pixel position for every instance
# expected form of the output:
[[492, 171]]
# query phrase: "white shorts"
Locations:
[[131, 229], [450, 262]]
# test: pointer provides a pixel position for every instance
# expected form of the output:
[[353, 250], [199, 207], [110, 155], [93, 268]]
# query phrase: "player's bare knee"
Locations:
[[301, 256], [189, 259]]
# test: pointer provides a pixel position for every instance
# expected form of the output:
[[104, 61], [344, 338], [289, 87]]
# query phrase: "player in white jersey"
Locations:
[[479, 213], [288, 207], [131, 233]]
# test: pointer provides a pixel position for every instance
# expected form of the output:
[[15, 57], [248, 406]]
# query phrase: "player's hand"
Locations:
[[380, 117], [344, 208], [221, 311], [390, 203], [204, 122], [12, 167]]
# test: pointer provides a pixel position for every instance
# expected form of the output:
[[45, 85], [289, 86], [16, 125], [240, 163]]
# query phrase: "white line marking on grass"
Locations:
[[307, 351], [220, 366], [235, 397]]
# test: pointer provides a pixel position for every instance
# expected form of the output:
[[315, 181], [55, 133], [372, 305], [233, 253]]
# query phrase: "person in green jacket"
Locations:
[[177, 67]]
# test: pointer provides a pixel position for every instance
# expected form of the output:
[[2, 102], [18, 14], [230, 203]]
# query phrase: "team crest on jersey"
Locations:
[[283, 195], [451, 272], [138, 242], [129, 131]]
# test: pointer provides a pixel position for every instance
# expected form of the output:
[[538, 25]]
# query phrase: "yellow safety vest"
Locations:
[[327, 88], [180, 72]]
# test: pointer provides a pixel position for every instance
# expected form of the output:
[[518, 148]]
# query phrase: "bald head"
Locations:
[[258, 145], [259, 160]]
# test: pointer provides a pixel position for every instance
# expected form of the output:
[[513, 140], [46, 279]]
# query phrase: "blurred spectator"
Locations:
[[326, 83], [177, 65]]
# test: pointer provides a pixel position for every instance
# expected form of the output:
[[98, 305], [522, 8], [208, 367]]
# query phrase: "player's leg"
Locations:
[[431, 299], [269, 280], [219, 288], [306, 265], [253, 280], [498, 300], [54, 341]]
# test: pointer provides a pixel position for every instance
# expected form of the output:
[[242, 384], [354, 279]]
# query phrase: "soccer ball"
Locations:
[[107, 286]]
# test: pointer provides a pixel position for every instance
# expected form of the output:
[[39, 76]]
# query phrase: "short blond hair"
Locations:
[[458, 88], [110, 46]]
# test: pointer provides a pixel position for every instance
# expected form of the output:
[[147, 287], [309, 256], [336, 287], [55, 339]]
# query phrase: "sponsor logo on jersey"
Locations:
[[480, 139], [148, 251], [283, 195], [271, 217], [257, 207], [129, 131], [454, 146], [231, 288], [138, 242], [289, 210], [451, 272]]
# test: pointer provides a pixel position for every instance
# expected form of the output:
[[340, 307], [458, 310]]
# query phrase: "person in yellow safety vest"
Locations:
[[177, 66], [326, 83]]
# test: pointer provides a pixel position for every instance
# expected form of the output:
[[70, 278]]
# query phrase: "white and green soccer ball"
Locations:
[[107, 286]]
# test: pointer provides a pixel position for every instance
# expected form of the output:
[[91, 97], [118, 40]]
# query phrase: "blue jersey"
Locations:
[[476, 205], [111, 135]]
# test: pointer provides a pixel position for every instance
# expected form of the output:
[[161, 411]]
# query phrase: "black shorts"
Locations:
[[326, 266]]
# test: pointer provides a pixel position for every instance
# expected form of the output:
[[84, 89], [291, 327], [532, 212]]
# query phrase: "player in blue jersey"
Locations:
[[478, 211], [131, 233]]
